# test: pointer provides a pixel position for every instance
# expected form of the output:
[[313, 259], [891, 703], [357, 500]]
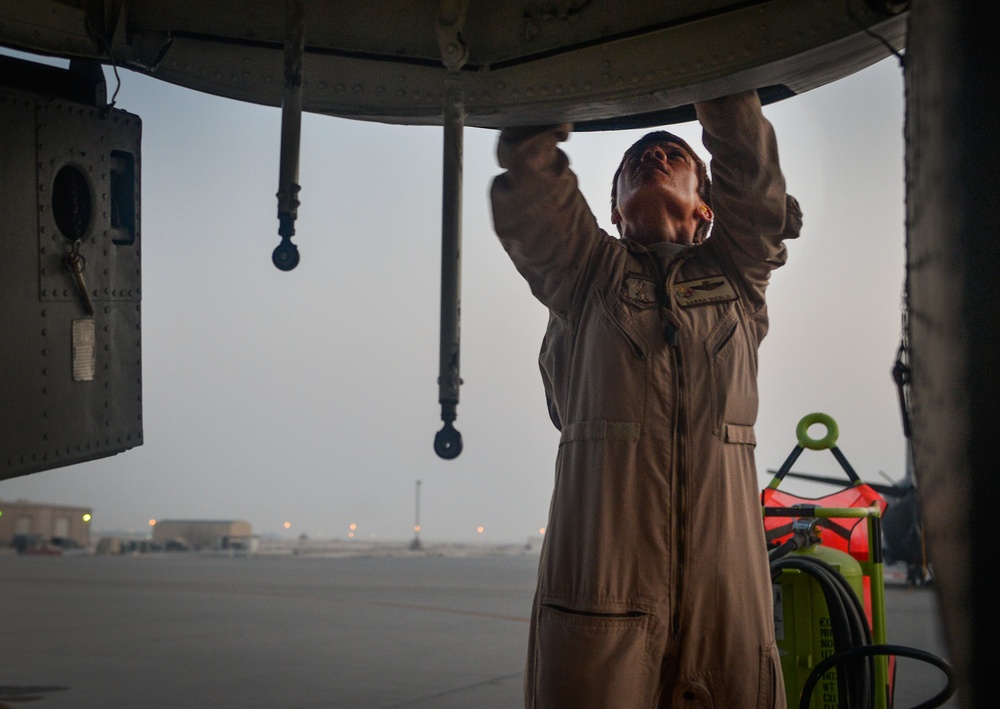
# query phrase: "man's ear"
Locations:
[[616, 217], [705, 213]]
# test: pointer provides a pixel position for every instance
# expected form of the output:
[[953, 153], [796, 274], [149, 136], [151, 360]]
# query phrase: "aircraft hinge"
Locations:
[[448, 25]]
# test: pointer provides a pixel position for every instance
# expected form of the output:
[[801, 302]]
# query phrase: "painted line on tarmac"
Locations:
[[456, 690], [223, 589]]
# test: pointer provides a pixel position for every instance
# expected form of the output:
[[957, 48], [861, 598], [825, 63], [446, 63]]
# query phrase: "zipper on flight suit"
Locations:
[[671, 335]]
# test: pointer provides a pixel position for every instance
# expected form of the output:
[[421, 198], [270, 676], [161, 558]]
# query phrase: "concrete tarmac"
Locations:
[[187, 630]]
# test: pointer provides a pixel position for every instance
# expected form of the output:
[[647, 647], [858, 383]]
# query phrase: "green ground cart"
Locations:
[[828, 582]]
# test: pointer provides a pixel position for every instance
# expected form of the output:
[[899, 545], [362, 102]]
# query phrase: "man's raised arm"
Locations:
[[753, 213], [542, 220]]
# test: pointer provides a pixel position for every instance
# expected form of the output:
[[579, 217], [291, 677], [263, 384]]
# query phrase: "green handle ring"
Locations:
[[827, 441]]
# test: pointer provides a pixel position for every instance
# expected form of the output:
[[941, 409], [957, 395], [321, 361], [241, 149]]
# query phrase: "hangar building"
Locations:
[[202, 534], [67, 525]]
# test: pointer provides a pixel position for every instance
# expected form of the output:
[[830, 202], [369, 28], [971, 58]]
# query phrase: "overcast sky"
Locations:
[[310, 397]]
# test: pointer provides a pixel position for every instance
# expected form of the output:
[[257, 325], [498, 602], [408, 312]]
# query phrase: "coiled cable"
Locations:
[[872, 650], [854, 651], [848, 624]]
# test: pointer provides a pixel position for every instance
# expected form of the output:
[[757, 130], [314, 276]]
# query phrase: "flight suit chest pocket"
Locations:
[[732, 361], [625, 318]]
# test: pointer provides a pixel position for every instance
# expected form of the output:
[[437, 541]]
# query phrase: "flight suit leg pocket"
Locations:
[[592, 661]]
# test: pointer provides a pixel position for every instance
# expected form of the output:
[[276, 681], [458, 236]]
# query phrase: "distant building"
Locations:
[[24, 521], [202, 534]]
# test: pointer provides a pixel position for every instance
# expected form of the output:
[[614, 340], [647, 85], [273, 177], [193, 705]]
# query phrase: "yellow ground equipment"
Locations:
[[828, 582]]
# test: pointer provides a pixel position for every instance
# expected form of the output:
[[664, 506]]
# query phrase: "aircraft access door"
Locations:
[[70, 274]]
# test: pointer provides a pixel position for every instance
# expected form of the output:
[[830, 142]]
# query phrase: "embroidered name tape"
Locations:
[[711, 289]]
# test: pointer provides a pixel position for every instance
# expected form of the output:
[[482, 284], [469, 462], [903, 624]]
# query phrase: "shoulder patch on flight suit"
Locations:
[[710, 289], [639, 290]]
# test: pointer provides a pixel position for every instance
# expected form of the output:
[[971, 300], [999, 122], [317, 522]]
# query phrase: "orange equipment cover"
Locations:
[[849, 534]]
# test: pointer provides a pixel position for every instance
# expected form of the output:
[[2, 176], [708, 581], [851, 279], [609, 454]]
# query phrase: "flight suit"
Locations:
[[653, 586]]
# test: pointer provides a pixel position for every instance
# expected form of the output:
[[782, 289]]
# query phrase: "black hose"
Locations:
[[853, 640], [847, 623], [785, 548], [872, 650]]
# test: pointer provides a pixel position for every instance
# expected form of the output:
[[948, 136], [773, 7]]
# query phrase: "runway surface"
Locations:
[[187, 631]]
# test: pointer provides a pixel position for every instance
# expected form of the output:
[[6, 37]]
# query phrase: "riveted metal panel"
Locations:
[[86, 141], [597, 63], [70, 381]]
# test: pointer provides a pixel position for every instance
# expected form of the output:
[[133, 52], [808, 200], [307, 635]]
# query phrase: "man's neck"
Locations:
[[659, 227]]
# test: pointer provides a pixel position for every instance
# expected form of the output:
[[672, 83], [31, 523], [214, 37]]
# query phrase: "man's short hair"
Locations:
[[662, 136]]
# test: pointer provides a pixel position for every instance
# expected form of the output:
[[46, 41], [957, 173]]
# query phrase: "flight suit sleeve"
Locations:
[[753, 212], [540, 216]]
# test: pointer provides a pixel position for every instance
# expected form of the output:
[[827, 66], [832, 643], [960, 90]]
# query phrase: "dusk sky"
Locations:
[[310, 397]]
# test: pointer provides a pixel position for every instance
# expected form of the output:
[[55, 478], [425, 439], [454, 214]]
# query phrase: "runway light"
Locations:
[[288, 525], [152, 523], [350, 535], [480, 530], [416, 528], [86, 517], [352, 526], [542, 530]]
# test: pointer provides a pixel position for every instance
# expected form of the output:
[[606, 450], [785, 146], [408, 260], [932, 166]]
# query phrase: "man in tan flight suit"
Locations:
[[653, 586]]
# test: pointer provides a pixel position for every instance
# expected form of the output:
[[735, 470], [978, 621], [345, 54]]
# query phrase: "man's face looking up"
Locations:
[[658, 185]]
